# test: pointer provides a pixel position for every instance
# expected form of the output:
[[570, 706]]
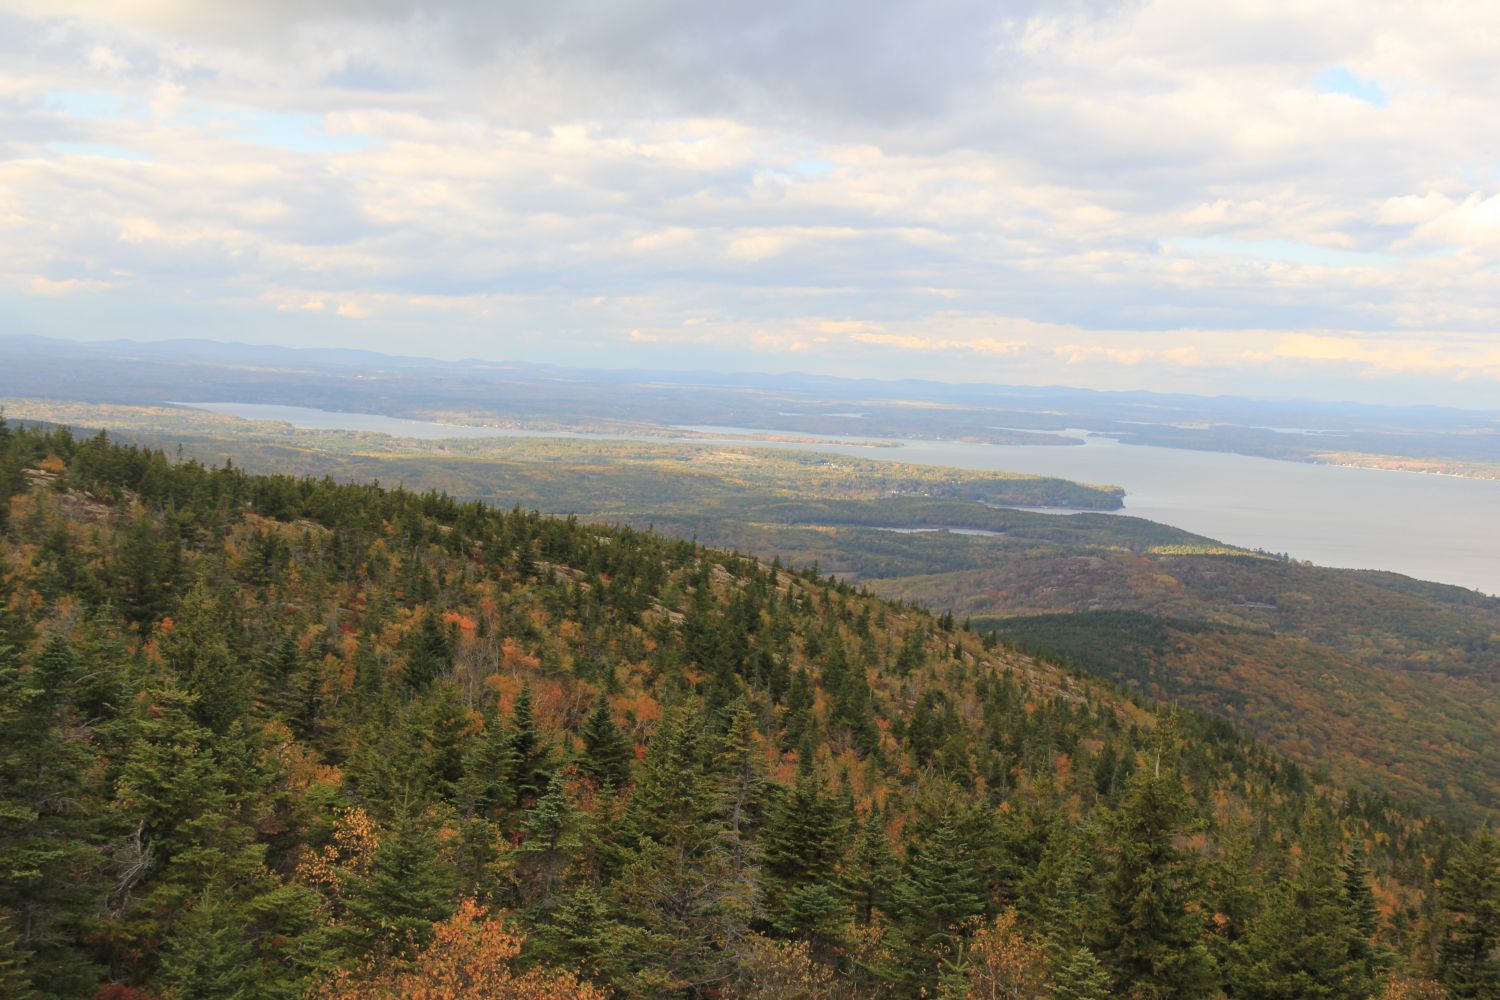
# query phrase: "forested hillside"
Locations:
[[1256, 639], [273, 737]]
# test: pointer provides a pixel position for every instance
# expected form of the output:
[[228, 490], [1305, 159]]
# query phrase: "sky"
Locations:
[[1268, 198]]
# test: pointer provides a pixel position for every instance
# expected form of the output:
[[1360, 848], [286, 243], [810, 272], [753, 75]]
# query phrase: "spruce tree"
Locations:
[[429, 654], [209, 956], [392, 908], [1469, 951], [802, 846], [198, 652], [606, 751], [680, 893], [1150, 934], [1304, 945], [1363, 914], [741, 767], [551, 840], [50, 861], [871, 872], [1077, 975], [939, 894], [529, 752], [15, 980]]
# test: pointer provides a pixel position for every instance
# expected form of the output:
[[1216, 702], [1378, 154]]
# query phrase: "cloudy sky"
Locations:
[[1262, 197]]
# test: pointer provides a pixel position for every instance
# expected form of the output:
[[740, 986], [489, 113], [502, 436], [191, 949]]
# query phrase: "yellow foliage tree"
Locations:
[[999, 963], [469, 959]]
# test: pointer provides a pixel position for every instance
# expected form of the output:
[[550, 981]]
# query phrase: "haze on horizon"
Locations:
[[1156, 194]]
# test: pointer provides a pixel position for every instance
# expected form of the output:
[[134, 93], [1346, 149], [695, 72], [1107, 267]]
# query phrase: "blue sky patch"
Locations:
[[1341, 80], [90, 104], [96, 149], [1282, 251]]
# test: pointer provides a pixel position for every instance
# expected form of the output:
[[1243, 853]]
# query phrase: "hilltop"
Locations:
[[285, 736]]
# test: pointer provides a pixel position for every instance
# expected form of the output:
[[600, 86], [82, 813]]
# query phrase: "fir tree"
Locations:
[[802, 845], [408, 888], [529, 752], [209, 957], [1151, 936], [1469, 952], [1304, 946], [1079, 976], [606, 751]]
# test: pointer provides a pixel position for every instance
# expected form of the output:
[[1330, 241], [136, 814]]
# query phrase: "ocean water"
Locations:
[[1440, 528]]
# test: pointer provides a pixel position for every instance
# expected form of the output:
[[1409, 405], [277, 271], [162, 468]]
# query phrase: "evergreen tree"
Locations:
[[741, 765], [529, 773], [198, 652], [1152, 937], [939, 894], [1079, 976], [408, 888], [606, 751], [1469, 951], [1363, 915], [551, 840], [485, 789], [49, 863], [15, 982], [681, 893], [1305, 945], [209, 957], [146, 569], [429, 655], [802, 845], [872, 871]]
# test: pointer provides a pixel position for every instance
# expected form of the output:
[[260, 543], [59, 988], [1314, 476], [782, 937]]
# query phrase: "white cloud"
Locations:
[[1160, 191]]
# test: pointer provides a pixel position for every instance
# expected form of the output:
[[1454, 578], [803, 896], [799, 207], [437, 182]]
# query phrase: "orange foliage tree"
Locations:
[[1000, 963], [469, 959]]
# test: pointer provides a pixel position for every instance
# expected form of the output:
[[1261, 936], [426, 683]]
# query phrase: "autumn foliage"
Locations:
[[471, 957]]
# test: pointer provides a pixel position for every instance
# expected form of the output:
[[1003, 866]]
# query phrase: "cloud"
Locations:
[[1156, 190]]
